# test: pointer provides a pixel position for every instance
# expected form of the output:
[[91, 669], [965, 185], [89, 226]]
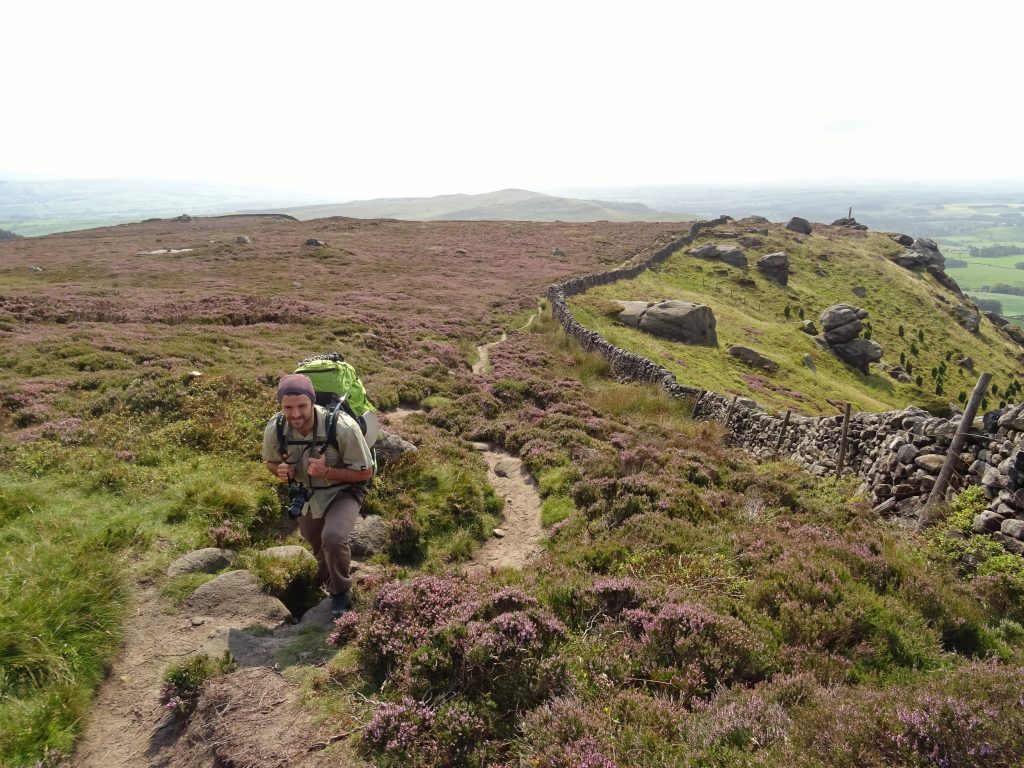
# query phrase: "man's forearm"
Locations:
[[345, 475]]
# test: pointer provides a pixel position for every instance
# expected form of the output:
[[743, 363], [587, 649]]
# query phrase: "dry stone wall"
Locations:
[[898, 454]]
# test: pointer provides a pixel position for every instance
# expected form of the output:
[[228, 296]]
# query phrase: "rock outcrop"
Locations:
[[775, 266], [729, 254], [677, 320], [842, 325]]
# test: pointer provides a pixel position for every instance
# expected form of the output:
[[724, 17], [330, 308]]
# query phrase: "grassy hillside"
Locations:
[[503, 205], [691, 607], [825, 267]]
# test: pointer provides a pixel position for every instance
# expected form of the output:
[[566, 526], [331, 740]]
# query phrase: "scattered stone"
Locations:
[[899, 374], [749, 241], [389, 447], [243, 240], [706, 251], [558, 253], [207, 560], [682, 321], [184, 217], [796, 224], [904, 240], [370, 536], [476, 446], [195, 374], [775, 266], [725, 235], [753, 358], [859, 291], [35, 269], [498, 533], [461, 252], [316, 243], [808, 327], [966, 363], [506, 468]]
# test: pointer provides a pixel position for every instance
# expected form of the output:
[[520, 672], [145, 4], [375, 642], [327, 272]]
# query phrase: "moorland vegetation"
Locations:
[[911, 315], [691, 607]]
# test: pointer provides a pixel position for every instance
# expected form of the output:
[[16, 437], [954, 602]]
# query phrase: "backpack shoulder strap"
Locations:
[[282, 443]]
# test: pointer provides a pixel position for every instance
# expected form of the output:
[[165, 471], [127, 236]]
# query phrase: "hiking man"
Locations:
[[335, 473]]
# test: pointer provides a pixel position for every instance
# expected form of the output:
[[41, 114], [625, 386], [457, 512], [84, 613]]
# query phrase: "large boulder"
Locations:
[[753, 357], [682, 321], [631, 312], [730, 254], [903, 240], [859, 353], [236, 595], [775, 266], [842, 323], [796, 224]]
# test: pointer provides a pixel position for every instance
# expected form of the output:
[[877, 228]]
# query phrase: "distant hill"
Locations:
[[503, 205], [41, 207]]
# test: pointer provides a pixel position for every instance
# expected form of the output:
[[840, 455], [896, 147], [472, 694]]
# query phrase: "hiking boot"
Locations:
[[341, 603]]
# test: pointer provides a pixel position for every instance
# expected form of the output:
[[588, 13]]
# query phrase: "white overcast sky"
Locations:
[[364, 99]]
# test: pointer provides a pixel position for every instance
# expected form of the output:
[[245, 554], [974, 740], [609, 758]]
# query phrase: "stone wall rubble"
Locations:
[[897, 454]]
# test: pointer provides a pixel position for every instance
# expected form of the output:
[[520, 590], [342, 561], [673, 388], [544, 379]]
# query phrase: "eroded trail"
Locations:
[[521, 527]]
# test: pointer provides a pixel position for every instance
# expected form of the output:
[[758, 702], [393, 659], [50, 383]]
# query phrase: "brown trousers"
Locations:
[[328, 535]]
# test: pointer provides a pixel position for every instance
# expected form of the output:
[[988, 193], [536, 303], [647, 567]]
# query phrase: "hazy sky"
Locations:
[[362, 99]]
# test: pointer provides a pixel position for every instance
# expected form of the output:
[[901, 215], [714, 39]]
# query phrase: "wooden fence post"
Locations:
[[728, 414], [782, 432], [842, 439], [942, 481]]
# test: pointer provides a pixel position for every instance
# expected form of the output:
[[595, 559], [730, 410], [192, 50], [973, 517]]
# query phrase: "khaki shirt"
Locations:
[[349, 450]]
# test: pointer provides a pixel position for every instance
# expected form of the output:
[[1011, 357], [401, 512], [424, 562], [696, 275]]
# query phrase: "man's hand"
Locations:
[[317, 467], [285, 471]]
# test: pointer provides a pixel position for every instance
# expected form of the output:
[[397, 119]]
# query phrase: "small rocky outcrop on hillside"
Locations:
[[923, 253], [842, 324], [968, 317], [775, 266], [677, 320], [849, 223], [729, 254]]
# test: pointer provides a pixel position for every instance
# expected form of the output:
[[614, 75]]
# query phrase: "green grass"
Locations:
[[823, 273]]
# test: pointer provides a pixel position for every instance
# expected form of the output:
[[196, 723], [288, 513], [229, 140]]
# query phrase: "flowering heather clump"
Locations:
[[346, 628], [610, 597], [403, 536], [943, 731], [710, 649], [126, 456], [403, 615], [413, 733], [230, 533]]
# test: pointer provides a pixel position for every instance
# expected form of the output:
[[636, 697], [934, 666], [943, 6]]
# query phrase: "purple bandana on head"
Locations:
[[295, 384]]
